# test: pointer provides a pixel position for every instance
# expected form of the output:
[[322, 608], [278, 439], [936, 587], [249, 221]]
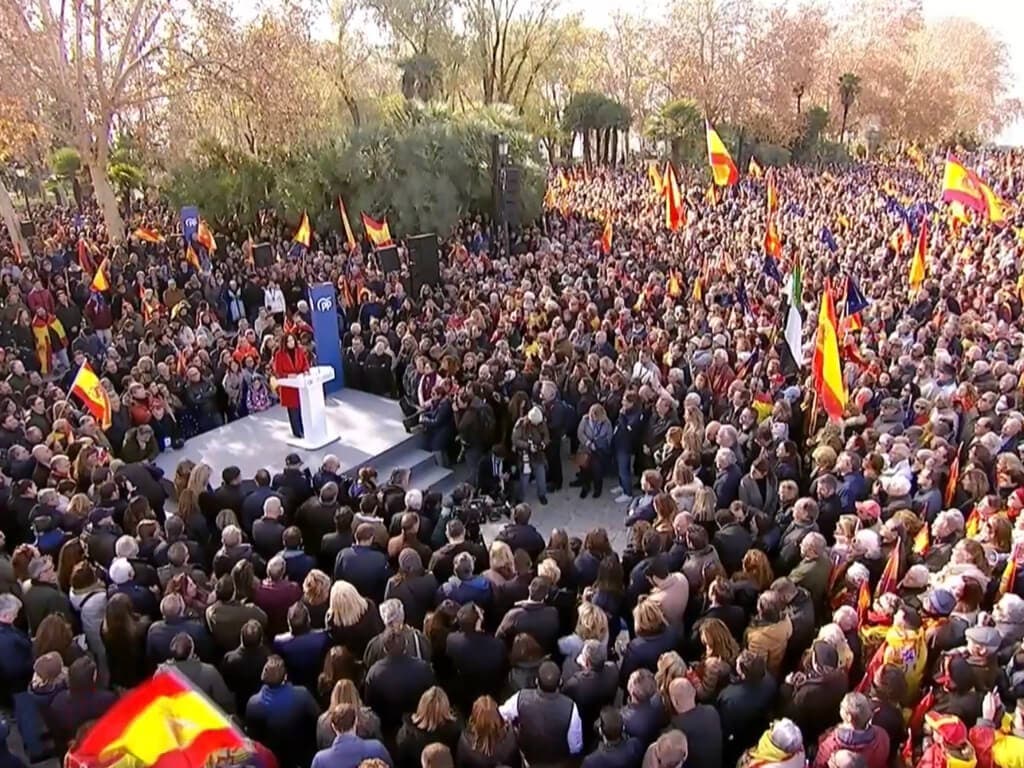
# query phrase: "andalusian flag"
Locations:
[[100, 281], [163, 723], [794, 330], [827, 366], [754, 168], [723, 169], [960, 185], [148, 235], [377, 231], [606, 235], [87, 388], [349, 237], [675, 214], [918, 266]]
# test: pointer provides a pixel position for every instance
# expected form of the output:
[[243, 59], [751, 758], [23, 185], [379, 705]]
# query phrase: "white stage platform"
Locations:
[[369, 430]]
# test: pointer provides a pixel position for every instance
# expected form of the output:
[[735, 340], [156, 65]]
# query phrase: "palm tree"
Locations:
[[66, 164], [680, 125], [849, 87], [798, 92]]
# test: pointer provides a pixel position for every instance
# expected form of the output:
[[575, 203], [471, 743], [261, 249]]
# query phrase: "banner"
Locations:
[[189, 223], [323, 305]]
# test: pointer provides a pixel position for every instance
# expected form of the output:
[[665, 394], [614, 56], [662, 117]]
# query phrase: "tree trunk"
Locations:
[[11, 220], [799, 98], [76, 190], [842, 128], [107, 199], [353, 110], [586, 147], [615, 146]]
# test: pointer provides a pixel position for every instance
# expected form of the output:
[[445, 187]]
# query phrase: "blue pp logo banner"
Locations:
[[189, 223], [323, 305]]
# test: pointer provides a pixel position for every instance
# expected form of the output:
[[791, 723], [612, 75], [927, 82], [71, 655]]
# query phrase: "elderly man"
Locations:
[[15, 649], [392, 613], [805, 517], [855, 733], [727, 479], [813, 571]]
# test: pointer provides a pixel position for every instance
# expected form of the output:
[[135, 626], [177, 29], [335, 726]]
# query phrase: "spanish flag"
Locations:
[[827, 367], [773, 196], [772, 241], [675, 214], [192, 258], [863, 600], [303, 234], [656, 179], [918, 267], [915, 154], [675, 289], [922, 541], [949, 492], [754, 168], [148, 235], [377, 232], [711, 195], [163, 723], [87, 388], [606, 235], [993, 205], [100, 281], [698, 289], [349, 237], [204, 236], [723, 169], [890, 579], [960, 185]]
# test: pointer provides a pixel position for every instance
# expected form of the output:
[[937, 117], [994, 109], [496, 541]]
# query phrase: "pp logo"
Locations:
[[324, 304]]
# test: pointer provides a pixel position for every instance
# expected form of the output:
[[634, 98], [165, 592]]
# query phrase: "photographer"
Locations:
[[495, 473], [475, 424], [530, 440]]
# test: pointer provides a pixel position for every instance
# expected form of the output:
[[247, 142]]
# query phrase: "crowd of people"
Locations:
[[794, 590]]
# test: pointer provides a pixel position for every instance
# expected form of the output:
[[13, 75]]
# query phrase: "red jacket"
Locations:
[[872, 745], [290, 364]]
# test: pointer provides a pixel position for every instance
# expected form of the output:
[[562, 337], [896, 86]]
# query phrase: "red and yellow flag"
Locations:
[[657, 181], [772, 241], [960, 185], [675, 288], [87, 388], [754, 168], [922, 541], [1009, 577], [163, 723], [773, 196], [675, 214], [204, 236], [826, 365], [148, 235], [377, 231], [349, 237], [993, 205], [890, 580], [192, 258], [918, 265], [303, 234], [954, 478], [723, 169], [606, 235], [863, 600], [100, 281]]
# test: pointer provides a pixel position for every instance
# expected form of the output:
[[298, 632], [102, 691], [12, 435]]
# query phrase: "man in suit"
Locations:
[[252, 504], [294, 483], [229, 495]]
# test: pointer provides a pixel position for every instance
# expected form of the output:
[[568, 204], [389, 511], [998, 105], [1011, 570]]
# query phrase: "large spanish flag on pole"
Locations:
[[827, 367], [675, 215], [918, 265], [163, 723], [87, 388], [723, 169], [350, 239], [960, 185], [376, 231]]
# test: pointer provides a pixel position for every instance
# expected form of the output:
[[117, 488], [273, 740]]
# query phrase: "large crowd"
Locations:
[[794, 590]]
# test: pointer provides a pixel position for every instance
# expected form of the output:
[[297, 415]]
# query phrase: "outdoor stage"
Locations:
[[369, 430]]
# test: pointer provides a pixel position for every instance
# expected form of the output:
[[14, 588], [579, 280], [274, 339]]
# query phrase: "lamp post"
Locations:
[[499, 162]]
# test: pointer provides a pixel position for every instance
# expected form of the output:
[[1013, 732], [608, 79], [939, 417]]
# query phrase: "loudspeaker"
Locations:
[[262, 255], [387, 257], [424, 261], [28, 229]]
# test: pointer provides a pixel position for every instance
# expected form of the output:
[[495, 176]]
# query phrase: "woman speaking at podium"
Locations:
[[291, 360]]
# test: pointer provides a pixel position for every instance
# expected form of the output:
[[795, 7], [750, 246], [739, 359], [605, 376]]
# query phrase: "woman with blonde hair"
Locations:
[[704, 504], [670, 666], [591, 624], [316, 594], [653, 637], [487, 741], [720, 652], [665, 511], [502, 564], [352, 620], [79, 508], [670, 451], [434, 721], [683, 485], [367, 722]]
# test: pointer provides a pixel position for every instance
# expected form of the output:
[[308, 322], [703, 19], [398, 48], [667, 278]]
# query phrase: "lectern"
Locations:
[[310, 386]]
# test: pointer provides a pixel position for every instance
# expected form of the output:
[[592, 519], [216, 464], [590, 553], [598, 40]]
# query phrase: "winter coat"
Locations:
[[288, 364], [770, 641], [872, 744]]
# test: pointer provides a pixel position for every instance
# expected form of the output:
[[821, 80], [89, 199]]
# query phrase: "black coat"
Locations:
[[628, 753], [524, 537], [592, 690], [644, 721], [702, 726], [242, 669], [416, 594], [814, 705], [732, 542], [393, 687], [643, 652], [294, 486], [365, 568], [745, 709], [480, 661], [412, 740], [538, 620], [252, 506], [267, 537]]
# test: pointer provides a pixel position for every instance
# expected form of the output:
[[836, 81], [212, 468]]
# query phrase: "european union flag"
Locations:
[[828, 239], [771, 269], [893, 206], [856, 301]]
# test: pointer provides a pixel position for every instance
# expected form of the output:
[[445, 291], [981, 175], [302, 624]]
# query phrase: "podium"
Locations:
[[310, 386]]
